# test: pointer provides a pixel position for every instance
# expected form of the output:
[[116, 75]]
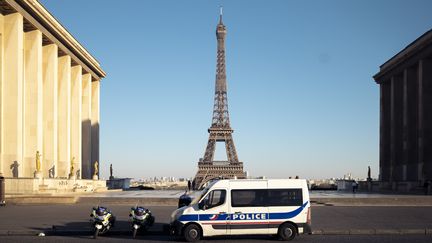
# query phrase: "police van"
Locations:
[[246, 207]]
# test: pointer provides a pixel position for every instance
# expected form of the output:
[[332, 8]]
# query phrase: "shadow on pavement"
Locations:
[[121, 227]]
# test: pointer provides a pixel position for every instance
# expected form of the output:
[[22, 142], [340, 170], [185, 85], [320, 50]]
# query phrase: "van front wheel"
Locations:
[[287, 231], [192, 233]]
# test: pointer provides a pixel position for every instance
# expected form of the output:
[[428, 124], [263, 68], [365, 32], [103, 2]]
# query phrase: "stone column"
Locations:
[[32, 100], [86, 126], [76, 121], [95, 116], [404, 124], [1, 94], [410, 124], [50, 115], [396, 143], [420, 169], [64, 115], [12, 95], [392, 130], [385, 96], [427, 117]]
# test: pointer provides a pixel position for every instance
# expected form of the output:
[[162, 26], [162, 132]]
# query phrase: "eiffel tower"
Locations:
[[220, 130]]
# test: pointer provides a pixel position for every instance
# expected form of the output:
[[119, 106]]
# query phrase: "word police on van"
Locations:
[[250, 216], [243, 207]]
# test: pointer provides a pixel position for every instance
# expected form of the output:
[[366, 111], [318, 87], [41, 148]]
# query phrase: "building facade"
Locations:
[[406, 115], [49, 97]]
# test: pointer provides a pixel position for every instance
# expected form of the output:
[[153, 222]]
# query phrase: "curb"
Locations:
[[151, 201], [29, 200], [34, 200], [425, 231], [322, 202], [385, 201]]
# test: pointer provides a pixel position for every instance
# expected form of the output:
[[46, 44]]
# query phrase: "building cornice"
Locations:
[[37, 15], [409, 51]]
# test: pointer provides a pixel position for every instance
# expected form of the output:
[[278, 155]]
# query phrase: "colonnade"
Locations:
[[48, 103], [406, 122]]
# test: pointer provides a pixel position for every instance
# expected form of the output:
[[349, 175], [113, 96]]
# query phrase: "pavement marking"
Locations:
[[362, 232]]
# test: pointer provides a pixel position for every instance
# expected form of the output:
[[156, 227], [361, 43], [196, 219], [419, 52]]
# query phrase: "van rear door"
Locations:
[[285, 205]]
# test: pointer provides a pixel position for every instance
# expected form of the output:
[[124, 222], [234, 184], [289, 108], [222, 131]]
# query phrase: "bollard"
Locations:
[[2, 191]]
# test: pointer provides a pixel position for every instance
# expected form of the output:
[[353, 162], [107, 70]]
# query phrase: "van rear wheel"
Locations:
[[287, 232], [192, 233]]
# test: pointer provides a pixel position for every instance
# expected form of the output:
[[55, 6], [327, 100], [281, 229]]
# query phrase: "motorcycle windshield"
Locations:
[[100, 218], [140, 217]]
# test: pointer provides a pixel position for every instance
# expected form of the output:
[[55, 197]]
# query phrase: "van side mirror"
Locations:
[[202, 205]]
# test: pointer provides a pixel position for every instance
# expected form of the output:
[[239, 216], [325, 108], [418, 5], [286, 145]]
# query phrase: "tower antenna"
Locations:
[[220, 13]]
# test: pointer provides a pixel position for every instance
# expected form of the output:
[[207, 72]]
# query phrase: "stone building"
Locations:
[[406, 115], [49, 89]]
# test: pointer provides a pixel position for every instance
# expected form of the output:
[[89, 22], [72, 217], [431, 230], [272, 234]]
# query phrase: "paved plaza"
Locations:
[[336, 216], [170, 198], [73, 219]]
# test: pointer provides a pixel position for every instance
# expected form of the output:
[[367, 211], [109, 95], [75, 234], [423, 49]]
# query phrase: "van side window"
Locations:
[[285, 197], [266, 197], [215, 198], [248, 198]]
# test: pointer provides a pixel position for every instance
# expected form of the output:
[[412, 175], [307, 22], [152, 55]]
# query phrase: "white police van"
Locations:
[[243, 207]]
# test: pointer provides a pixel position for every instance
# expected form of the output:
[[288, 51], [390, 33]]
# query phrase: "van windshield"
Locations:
[[202, 193]]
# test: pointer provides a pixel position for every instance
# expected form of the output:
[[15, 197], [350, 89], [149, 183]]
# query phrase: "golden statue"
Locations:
[[72, 167], [38, 162], [96, 168]]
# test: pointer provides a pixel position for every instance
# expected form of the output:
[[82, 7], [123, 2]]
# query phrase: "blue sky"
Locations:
[[301, 96]]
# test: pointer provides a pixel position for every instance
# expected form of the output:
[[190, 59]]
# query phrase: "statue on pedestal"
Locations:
[[71, 172], [38, 172], [51, 172], [96, 171], [14, 168], [38, 162], [369, 178], [111, 173]]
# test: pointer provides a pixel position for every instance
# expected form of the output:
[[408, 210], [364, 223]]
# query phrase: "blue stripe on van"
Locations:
[[221, 217], [288, 215], [188, 217], [205, 217]]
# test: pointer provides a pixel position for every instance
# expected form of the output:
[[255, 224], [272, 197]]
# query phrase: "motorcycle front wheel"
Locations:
[[96, 233], [134, 233]]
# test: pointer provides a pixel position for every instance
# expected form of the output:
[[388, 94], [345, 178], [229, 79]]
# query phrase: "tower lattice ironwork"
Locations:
[[220, 130]]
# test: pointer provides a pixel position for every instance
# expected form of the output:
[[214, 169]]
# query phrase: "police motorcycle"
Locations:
[[141, 219], [102, 220]]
